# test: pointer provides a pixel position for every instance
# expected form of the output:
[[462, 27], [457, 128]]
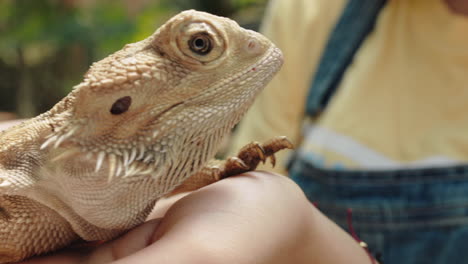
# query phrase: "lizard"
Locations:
[[144, 123]]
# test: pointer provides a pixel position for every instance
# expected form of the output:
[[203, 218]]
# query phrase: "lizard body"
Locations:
[[142, 122]]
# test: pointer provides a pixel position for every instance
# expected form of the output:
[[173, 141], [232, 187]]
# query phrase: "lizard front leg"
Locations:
[[29, 228], [247, 159]]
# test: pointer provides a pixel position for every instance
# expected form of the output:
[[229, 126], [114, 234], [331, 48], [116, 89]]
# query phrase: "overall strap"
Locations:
[[356, 22]]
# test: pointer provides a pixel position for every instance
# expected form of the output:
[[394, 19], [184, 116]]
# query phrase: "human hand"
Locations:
[[7, 124], [257, 218]]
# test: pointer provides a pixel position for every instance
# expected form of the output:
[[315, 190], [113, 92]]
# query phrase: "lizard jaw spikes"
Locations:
[[121, 162], [93, 166]]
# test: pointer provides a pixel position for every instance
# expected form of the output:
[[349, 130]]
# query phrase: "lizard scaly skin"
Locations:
[[143, 121]]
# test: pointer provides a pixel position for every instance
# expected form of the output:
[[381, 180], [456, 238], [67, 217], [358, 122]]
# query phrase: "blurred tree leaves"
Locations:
[[47, 45]]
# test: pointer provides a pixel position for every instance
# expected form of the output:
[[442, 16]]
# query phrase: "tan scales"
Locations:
[[146, 120]]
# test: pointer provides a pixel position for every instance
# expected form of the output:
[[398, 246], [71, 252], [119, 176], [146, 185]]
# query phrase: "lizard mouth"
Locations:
[[263, 70], [145, 157], [162, 113]]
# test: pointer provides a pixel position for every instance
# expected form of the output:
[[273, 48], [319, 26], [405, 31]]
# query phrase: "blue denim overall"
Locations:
[[405, 215]]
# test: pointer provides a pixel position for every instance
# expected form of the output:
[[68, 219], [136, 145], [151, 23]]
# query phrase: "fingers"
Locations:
[[164, 204], [7, 124], [126, 245], [63, 257]]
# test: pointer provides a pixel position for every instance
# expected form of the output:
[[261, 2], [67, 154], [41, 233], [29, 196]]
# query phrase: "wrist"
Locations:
[[325, 242]]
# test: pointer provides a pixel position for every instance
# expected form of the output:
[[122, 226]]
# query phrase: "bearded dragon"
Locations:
[[145, 122]]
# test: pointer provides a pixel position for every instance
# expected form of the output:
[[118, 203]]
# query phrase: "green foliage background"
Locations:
[[47, 45]]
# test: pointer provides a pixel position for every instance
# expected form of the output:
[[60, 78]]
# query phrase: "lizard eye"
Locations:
[[121, 105], [200, 44]]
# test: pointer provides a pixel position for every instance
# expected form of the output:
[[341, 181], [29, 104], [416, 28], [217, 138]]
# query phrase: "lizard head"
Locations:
[[184, 86]]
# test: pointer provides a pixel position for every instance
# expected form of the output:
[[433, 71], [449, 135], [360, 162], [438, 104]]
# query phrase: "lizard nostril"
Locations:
[[253, 47], [252, 44]]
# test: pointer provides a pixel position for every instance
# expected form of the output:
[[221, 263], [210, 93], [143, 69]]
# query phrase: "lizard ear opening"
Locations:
[[121, 105]]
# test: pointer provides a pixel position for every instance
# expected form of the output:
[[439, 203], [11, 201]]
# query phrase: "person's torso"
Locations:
[[403, 101]]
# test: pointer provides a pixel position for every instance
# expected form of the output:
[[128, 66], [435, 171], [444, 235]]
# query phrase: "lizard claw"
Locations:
[[235, 161], [253, 153], [273, 160], [260, 151]]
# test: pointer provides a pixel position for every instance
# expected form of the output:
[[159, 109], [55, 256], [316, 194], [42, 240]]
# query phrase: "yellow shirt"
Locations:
[[403, 102]]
